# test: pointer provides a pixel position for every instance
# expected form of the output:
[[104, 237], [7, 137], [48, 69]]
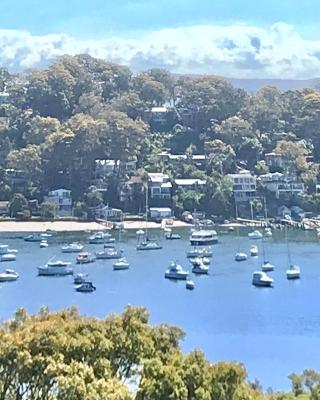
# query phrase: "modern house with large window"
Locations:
[[62, 199], [159, 188], [244, 185]]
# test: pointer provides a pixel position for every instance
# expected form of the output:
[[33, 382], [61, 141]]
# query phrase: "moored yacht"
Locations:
[[293, 272], [43, 244], [260, 278], [240, 256], [148, 245], [108, 254], [8, 257], [4, 249], [176, 272], [189, 284], [79, 278], [169, 235], [268, 232], [9, 275], [254, 251], [56, 268], [122, 263], [72, 248], [199, 252], [85, 258], [203, 237], [255, 235], [34, 237], [200, 269], [267, 266], [86, 287], [101, 238]]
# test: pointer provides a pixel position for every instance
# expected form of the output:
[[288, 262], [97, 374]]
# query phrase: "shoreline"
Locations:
[[75, 226]]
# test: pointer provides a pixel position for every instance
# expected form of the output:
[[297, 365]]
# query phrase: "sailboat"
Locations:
[[122, 263], [266, 266], [240, 256], [293, 272], [144, 243], [255, 234]]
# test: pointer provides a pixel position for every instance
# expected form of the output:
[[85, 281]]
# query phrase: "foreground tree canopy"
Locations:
[[64, 355]]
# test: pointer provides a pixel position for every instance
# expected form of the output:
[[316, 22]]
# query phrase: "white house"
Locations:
[[282, 184], [63, 200], [244, 185], [190, 184], [160, 212], [159, 186]]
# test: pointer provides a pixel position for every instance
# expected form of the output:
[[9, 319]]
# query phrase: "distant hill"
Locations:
[[252, 85]]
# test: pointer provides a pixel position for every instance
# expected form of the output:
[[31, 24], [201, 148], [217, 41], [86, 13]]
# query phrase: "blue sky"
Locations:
[[239, 38]]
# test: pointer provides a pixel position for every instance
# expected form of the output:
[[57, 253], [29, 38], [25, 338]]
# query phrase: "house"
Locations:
[[282, 184], [190, 184], [244, 185], [16, 178], [4, 208], [297, 213], [159, 186], [275, 161], [63, 200], [284, 212], [197, 160], [105, 212], [161, 118], [160, 212]]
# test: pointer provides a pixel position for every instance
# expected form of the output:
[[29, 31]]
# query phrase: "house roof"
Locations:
[[4, 204], [189, 182], [160, 209], [166, 185], [157, 177]]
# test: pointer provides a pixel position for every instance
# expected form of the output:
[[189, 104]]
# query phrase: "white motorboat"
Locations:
[[293, 272], [200, 252], [172, 236], [176, 272], [268, 232], [240, 256], [203, 237], [44, 244], [149, 245], [9, 275], [255, 235], [85, 258], [267, 266], [200, 269], [260, 278], [79, 278], [254, 251], [190, 285], [122, 263], [86, 287], [72, 248], [8, 257], [4, 249], [109, 254], [206, 260], [34, 237], [101, 238], [56, 268]]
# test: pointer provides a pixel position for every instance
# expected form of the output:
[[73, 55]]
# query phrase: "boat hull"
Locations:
[[176, 277], [44, 271], [204, 242]]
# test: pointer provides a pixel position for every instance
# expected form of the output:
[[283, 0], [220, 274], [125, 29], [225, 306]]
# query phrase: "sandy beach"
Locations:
[[74, 226]]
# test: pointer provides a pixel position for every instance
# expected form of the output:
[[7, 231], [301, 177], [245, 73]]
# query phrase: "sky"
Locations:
[[233, 38]]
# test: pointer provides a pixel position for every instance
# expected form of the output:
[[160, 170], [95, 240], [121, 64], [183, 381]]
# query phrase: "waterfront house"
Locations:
[[190, 184], [159, 187], [282, 184], [4, 208], [284, 212], [275, 161], [160, 212], [105, 212], [62, 199], [244, 185]]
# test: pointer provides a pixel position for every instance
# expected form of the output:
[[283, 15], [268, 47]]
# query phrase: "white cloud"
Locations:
[[233, 51]]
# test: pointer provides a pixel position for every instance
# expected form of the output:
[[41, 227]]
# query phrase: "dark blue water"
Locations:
[[273, 331]]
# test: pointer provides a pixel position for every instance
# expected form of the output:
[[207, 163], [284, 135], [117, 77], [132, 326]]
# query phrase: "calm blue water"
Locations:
[[273, 331]]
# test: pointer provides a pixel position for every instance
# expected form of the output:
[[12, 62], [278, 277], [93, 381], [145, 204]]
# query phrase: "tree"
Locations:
[[48, 210], [18, 204], [93, 197], [294, 153]]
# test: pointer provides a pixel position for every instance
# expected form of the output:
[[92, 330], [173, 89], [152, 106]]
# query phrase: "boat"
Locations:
[[46, 235], [176, 272], [43, 244], [240, 256], [260, 278], [4, 249], [72, 248], [200, 269], [101, 238], [108, 254], [56, 268], [267, 266], [203, 237], [149, 245], [171, 236], [189, 285], [85, 258], [122, 263], [254, 251], [79, 278], [8, 257], [293, 272], [206, 260], [255, 235], [9, 275], [86, 287], [199, 252], [268, 232], [34, 237]]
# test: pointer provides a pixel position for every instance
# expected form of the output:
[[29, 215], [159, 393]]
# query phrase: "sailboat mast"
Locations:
[[288, 247], [147, 208]]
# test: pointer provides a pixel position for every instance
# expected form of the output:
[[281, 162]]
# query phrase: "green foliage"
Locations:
[[18, 204]]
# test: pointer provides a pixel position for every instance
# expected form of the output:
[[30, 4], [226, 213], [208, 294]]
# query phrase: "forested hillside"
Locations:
[[55, 122]]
